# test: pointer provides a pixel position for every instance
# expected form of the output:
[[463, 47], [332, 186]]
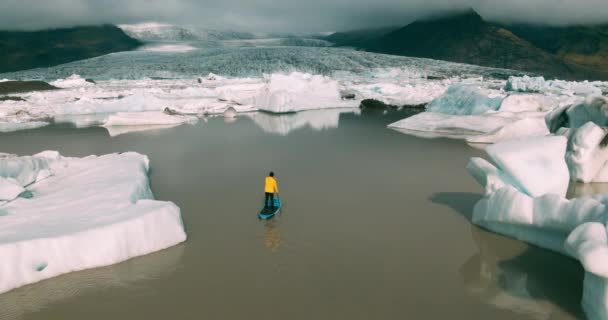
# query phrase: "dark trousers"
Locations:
[[269, 196]]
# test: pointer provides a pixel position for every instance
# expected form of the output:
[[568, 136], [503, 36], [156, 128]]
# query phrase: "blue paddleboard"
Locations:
[[268, 213]]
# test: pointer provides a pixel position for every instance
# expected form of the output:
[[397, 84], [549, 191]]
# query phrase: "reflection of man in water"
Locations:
[[272, 237]]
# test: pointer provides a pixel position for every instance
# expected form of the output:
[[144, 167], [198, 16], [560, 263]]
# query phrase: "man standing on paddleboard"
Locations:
[[270, 189]]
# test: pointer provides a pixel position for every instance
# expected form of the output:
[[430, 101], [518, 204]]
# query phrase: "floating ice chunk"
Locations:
[[587, 156], [298, 92], [240, 93], [539, 84], [104, 203], [26, 170], [532, 102], [487, 175], [9, 189], [528, 127], [16, 126], [230, 113], [589, 244], [593, 109], [72, 82], [526, 84], [214, 77], [147, 118], [537, 165], [411, 93], [557, 118], [545, 221], [464, 100], [450, 126]]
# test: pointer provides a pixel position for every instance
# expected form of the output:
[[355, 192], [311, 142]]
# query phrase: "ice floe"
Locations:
[[75, 204], [525, 199]]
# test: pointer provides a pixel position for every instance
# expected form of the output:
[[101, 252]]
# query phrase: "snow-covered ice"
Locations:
[[78, 204]]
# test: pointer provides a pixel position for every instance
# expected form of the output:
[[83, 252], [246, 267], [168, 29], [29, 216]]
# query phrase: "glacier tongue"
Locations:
[[77, 204]]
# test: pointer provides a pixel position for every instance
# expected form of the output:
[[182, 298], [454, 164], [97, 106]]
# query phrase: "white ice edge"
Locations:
[[84, 213]]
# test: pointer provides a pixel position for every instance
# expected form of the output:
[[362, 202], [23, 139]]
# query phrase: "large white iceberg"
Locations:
[[80, 213], [574, 227], [298, 92]]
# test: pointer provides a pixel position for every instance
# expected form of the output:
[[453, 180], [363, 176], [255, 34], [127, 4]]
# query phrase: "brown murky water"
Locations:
[[375, 226]]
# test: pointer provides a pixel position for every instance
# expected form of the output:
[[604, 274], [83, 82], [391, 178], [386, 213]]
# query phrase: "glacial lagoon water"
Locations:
[[375, 226]]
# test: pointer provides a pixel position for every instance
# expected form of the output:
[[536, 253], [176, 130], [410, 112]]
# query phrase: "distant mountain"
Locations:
[[467, 38], [168, 32], [359, 38], [21, 50]]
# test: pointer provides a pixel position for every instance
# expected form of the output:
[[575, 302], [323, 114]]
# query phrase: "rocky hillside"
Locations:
[[21, 50], [468, 38]]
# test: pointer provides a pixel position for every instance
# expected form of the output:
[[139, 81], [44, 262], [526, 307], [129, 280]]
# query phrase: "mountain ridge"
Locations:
[[22, 50], [466, 37]]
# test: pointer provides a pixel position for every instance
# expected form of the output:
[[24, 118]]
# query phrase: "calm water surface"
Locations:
[[375, 226]]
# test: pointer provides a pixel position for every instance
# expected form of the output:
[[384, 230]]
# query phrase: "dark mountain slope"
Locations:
[[20, 50], [467, 38]]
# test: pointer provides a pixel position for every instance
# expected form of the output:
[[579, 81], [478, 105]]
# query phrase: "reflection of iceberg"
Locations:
[[82, 120], [17, 303], [283, 124], [507, 274], [114, 131]]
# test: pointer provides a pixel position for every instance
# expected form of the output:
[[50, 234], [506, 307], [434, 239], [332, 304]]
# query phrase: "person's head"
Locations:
[[271, 174]]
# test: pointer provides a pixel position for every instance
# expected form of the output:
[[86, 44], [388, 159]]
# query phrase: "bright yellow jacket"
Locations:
[[271, 185]]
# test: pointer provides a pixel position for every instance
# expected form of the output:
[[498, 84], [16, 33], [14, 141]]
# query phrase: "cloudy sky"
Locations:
[[287, 15]]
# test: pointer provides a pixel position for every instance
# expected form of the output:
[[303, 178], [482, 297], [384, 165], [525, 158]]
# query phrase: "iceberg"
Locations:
[[576, 227], [299, 92], [537, 165], [539, 84], [100, 202], [431, 124], [464, 100], [526, 84], [72, 81], [587, 155], [593, 109]]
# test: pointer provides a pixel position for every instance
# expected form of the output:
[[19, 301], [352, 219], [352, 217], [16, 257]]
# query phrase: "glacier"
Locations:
[[73, 205]]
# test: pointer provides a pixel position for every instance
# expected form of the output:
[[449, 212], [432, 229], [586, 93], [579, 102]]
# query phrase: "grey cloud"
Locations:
[[288, 15]]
